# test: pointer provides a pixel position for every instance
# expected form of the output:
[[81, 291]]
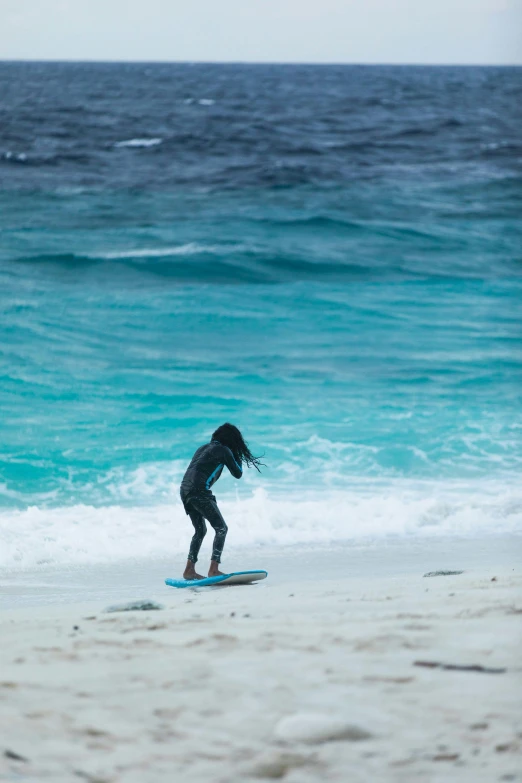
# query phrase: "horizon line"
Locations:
[[323, 63]]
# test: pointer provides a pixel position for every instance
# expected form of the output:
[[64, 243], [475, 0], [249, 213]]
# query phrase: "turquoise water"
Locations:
[[363, 331]]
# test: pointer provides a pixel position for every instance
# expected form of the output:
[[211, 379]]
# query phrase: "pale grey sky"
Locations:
[[344, 31]]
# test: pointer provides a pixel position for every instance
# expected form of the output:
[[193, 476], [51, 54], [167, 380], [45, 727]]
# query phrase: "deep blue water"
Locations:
[[330, 257]]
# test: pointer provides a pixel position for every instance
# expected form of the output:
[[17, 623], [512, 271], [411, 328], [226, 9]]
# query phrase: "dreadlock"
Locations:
[[229, 435]]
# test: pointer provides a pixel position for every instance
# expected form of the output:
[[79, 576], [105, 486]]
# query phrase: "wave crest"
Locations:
[[85, 534], [139, 142]]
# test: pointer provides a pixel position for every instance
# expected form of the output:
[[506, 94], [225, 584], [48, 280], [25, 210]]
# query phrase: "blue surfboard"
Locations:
[[236, 578]]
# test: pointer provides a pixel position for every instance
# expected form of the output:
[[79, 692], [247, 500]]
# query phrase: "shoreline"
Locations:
[[50, 584]]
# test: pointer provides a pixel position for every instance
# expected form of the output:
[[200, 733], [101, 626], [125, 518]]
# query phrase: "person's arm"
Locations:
[[231, 463]]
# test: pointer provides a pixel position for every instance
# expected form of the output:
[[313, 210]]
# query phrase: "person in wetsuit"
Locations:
[[226, 447]]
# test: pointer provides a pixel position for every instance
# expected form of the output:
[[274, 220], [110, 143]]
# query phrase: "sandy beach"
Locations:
[[339, 679]]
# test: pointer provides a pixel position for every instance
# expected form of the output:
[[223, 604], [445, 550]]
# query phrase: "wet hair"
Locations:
[[229, 435]]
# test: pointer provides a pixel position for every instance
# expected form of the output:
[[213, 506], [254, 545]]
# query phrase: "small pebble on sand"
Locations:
[[315, 728], [443, 573], [134, 606]]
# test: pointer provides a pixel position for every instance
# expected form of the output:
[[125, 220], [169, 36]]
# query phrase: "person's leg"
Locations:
[[209, 509], [220, 528], [200, 531]]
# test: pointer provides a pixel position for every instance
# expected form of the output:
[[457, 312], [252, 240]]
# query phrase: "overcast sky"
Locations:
[[344, 31]]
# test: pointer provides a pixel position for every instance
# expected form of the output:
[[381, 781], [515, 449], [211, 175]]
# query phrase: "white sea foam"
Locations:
[[21, 157], [139, 142], [87, 534], [188, 249], [201, 101]]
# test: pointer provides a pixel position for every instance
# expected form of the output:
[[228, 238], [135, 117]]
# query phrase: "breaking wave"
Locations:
[[83, 534]]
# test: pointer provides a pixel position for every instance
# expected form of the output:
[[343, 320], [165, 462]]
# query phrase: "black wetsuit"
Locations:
[[204, 470]]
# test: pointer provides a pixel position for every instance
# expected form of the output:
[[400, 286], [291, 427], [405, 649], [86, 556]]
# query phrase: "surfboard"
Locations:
[[236, 578]]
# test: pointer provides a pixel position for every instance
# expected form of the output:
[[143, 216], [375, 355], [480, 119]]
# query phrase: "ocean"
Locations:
[[329, 257]]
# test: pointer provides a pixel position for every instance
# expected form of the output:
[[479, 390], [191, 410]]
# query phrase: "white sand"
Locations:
[[284, 679]]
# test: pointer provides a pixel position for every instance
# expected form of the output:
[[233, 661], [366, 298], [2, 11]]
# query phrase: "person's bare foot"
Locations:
[[190, 572], [214, 569], [189, 575]]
